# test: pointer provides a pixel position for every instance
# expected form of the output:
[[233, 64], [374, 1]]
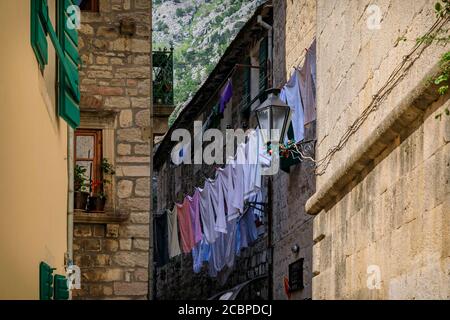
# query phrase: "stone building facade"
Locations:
[[383, 202], [177, 280], [112, 248], [294, 32]]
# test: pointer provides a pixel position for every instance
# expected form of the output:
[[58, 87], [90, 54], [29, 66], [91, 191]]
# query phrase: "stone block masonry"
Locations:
[[385, 234], [294, 31], [115, 77]]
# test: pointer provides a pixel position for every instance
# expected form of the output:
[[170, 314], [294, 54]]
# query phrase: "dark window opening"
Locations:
[[89, 5]]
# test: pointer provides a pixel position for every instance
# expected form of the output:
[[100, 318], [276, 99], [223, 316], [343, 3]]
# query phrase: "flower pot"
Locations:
[[96, 204], [80, 200]]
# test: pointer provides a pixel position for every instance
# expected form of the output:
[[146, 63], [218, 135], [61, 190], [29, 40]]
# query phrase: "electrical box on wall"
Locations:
[[45, 281]]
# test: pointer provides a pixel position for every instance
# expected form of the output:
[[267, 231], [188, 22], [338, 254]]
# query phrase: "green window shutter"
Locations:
[[247, 80], [39, 33], [45, 281], [247, 84], [69, 60], [263, 52], [66, 47]]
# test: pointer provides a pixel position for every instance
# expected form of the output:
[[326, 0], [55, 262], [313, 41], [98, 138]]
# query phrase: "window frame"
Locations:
[[97, 174]]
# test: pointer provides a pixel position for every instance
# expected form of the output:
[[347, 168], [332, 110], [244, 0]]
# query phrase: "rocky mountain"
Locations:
[[199, 31]]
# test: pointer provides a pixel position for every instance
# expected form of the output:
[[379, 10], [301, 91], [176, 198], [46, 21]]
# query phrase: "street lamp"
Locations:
[[273, 115]]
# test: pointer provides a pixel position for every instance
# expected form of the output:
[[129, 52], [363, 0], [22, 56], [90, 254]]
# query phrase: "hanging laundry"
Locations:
[[307, 84], [223, 251], [225, 96], [185, 226], [200, 254], [292, 96], [207, 213], [247, 230], [237, 200], [160, 234], [194, 206], [172, 233], [218, 204], [229, 190], [256, 157]]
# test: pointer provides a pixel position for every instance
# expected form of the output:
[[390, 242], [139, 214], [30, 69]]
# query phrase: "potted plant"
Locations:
[[81, 188], [97, 201]]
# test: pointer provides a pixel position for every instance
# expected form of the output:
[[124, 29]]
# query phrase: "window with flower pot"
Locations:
[[93, 172], [88, 154]]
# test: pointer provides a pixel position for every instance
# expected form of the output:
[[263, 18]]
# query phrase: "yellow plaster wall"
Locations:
[[33, 160]]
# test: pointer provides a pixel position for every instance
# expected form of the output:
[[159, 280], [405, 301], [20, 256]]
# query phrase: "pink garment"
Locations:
[[194, 205], [185, 226]]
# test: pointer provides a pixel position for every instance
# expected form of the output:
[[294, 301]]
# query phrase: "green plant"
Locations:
[[442, 9], [179, 12], [81, 183], [108, 171]]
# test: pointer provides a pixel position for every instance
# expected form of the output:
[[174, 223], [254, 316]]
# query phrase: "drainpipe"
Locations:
[[70, 199], [269, 29]]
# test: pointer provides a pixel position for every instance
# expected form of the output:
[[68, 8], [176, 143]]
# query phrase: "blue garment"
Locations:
[[223, 250], [307, 78], [247, 232], [292, 96], [226, 96], [200, 254]]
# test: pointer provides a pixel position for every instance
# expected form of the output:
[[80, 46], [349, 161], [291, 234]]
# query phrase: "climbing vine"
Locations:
[[442, 79], [442, 9], [436, 33]]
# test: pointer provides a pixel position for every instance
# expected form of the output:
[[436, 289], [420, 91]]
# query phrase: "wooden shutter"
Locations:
[[38, 32], [247, 84], [66, 47], [69, 60], [263, 57]]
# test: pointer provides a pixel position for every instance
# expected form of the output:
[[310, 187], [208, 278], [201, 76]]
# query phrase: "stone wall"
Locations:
[[355, 61], [396, 219], [115, 76], [386, 234], [294, 31]]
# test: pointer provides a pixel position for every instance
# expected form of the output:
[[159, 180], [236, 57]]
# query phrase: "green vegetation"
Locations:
[[195, 55]]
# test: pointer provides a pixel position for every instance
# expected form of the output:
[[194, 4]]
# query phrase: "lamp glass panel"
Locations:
[[264, 123], [279, 115]]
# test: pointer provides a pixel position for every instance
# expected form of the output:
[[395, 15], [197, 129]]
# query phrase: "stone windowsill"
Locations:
[[99, 217]]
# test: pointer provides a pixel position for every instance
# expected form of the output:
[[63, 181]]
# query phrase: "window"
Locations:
[[89, 5], [88, 152]]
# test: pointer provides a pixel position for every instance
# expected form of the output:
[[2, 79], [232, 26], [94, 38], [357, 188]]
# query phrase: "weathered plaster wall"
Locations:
[[115, 76], [394, 218], [294, 31]]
